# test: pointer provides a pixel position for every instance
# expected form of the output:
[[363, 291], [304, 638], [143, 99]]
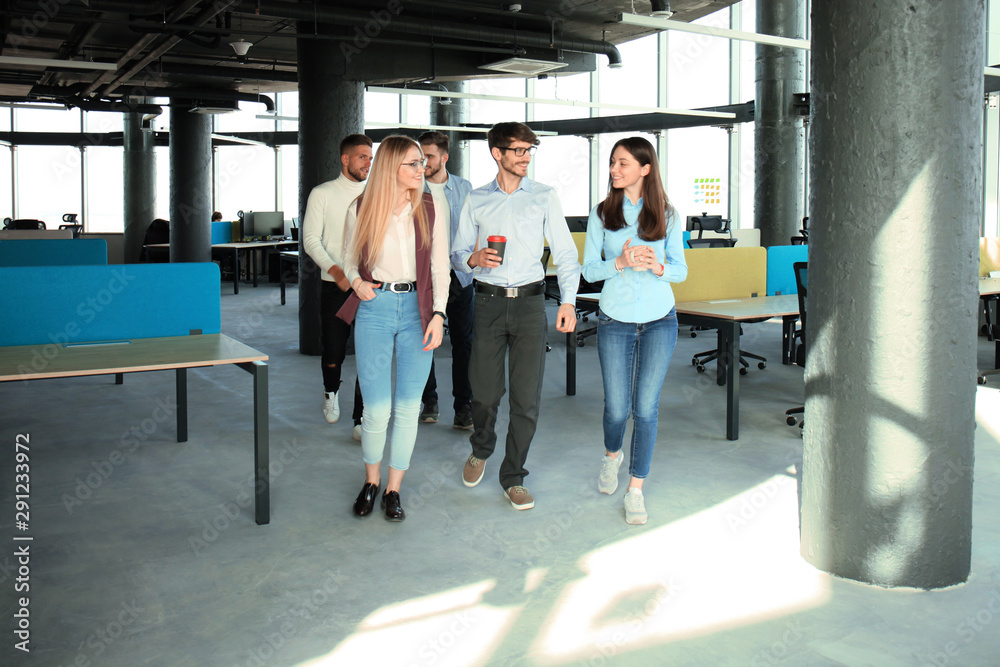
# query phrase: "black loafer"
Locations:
[[365, 503], [393, 510]]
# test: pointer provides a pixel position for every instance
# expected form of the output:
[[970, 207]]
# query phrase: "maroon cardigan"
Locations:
[[425, 293]]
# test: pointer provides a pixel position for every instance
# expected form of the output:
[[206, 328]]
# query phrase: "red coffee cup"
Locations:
[[498, 243]]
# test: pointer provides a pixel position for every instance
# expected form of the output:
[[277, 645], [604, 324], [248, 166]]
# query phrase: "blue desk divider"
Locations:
[[222, 232], [780, 274], [52, 252], [79, 304]]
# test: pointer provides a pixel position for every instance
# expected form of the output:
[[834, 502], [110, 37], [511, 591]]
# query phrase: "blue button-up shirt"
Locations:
[[527, 216], [456, 189], [634, 296]]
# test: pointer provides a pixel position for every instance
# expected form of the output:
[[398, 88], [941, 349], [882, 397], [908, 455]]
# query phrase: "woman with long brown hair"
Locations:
[[639, 234], [397, 262]]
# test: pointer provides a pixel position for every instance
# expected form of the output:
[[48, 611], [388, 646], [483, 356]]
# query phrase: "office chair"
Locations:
[[803, 236], [711, 243], [8, 223], [801, 279], [158, 231]]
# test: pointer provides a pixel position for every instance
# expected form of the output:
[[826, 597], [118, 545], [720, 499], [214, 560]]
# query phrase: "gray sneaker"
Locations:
[[635, 508], [607, 481]]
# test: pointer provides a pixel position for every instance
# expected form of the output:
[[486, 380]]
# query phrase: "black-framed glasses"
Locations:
[[520, 151], [416, 164]]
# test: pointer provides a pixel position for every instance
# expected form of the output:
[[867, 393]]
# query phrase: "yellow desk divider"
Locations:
[[580, 239], [989, 256], [723, 273]]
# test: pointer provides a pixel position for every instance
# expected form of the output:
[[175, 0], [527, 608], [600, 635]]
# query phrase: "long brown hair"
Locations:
[[652, 218], [379, 200]]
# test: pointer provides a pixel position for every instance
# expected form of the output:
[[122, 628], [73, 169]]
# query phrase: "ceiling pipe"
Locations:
[[202, 17], [144, 41], [490, 35]]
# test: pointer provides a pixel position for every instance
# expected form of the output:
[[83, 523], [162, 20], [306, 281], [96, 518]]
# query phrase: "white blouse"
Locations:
[[398, 261]]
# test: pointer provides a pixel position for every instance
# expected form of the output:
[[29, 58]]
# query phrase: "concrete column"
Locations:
[[779, 143], [330, 108], [455, 114], [139, 174], [190, 186], [897, 107]]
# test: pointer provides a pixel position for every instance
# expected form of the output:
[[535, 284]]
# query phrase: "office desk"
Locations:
[[248, 247], [153, 354], [290, 256], [989, 288], [726, 315]]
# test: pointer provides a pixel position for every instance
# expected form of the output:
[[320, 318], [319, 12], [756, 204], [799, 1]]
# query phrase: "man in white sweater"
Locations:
[[323, 240]]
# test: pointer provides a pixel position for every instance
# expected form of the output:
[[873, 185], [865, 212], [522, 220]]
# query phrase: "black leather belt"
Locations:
[[533, 289], [399, 288]]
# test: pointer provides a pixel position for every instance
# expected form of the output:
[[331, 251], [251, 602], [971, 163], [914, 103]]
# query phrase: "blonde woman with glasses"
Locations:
[[397, 262]]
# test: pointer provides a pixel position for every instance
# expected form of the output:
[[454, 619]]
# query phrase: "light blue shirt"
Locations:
[[527, 216], [456, 189], [634, 296]]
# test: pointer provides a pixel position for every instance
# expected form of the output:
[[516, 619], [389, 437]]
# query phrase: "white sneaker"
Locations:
[[356, 433], [331, 407], [607, 481], [635, 507]]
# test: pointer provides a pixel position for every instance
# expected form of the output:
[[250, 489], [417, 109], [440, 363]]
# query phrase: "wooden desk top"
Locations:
[[238, 245], [142, 354], [748, 308]]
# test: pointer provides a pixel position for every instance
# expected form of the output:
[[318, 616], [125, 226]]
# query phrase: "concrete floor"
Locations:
[[145, 551]]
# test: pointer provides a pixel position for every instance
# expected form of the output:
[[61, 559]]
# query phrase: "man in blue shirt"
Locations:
[[451, 190], [509, 319]]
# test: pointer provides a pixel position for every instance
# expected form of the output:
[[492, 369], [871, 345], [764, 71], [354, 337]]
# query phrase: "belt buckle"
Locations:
[[398, 288], [510, 292]]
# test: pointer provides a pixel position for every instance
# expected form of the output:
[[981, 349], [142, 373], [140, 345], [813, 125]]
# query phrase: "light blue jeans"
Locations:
[[634, 360], [388, 324]]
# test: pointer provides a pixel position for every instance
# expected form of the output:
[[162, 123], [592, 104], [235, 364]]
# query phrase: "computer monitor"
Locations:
[[266, 223]]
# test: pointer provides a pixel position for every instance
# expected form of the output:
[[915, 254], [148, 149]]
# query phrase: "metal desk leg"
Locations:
[[732, 352], [182, 405], [261, 452], [788, 338], [720, 361], [236, 271], [571, 364], [281, 281], [253, 265], [119, 378]]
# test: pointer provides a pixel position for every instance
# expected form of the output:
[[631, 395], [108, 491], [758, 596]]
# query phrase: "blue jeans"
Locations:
[[390, 323], [634, 359]]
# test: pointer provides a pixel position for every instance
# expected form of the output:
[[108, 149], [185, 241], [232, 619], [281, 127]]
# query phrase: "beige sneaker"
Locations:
[[472, 473], [519, 498], [356, 432], [635, 507]]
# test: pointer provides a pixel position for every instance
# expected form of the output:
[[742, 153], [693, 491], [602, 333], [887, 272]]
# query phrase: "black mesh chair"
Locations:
[[8, 223], [801, 279]]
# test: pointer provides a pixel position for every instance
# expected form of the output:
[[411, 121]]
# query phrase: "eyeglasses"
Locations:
[[519, 152], [416, 164]]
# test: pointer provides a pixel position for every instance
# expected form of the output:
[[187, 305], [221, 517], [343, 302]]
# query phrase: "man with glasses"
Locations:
[[323, 240], [509, 319], [449, 191]]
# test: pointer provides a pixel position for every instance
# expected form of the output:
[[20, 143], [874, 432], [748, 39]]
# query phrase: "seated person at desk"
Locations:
[[217, 216], [640, 234]]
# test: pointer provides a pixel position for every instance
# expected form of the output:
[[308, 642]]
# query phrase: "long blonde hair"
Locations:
[[379, 200]]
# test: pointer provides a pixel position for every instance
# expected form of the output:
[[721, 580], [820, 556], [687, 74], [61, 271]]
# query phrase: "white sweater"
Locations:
[[323, 226]]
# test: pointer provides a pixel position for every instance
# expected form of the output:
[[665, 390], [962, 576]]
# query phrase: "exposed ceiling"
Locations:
[[181, 50]]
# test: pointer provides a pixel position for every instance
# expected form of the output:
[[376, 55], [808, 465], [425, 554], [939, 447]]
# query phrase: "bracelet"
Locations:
[[438, 312], [621, 272]]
